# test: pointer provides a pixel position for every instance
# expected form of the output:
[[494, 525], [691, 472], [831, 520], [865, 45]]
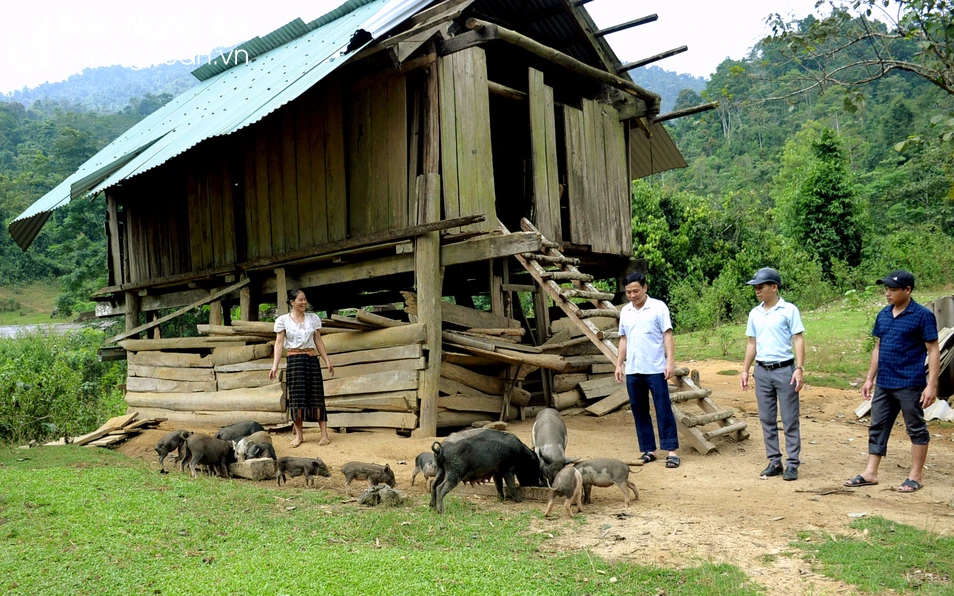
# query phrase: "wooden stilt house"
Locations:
[[449, 150]]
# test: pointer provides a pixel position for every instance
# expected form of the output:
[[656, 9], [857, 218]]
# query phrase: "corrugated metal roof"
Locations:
[[652, 155], [225, 102]]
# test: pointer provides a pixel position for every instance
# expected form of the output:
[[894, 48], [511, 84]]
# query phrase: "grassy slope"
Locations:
[[90, 521], [36, 301]]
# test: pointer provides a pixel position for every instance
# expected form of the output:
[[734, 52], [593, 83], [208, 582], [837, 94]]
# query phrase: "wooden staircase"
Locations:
[[549, 268]]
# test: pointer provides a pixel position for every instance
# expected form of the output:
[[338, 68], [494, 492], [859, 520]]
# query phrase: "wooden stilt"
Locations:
[[132, 311]]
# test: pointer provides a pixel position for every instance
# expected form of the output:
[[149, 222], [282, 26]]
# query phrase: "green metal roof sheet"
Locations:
[[227, 98]]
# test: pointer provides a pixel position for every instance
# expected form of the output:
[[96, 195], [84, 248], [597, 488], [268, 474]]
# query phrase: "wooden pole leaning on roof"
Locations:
[[651, 59], [627, 25], [705, 107], [570, 63]]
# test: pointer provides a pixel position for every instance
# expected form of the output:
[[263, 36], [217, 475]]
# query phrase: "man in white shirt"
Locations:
[[646, 359], [773, 328]]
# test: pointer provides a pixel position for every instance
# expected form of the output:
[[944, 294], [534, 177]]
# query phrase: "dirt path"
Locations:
[[713, 508]]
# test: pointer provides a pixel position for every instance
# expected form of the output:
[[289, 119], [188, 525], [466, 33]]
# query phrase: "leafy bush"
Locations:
[[923, 250], [51, 385]]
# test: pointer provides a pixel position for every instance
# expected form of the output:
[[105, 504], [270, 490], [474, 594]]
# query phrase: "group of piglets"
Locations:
[[474, 455], [478, 455], [237, 442]]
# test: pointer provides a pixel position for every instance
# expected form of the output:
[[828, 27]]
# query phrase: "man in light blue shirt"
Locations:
[[646, 358], [773, 328]]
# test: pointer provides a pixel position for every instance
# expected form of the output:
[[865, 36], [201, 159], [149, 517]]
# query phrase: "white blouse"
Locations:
[[298, 336]]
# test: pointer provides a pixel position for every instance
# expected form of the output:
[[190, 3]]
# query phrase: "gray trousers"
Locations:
[[772, 390]]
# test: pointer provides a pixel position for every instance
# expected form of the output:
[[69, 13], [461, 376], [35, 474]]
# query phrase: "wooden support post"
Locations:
[[153, 315], [112, 220], [496, 289], [281, 291], [248, 306], [215, 312], [132, 311], [541, 315], [427, 256]]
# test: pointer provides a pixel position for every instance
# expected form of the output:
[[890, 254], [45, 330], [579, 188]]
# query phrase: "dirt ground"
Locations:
[[714, 507]]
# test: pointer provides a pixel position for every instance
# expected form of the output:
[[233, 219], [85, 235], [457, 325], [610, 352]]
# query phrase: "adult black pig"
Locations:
[[208, 451], [480, 455], [234, 432]]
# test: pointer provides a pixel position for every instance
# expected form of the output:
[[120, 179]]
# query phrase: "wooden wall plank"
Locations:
[[397, 150], [289, 178], [615, 178], [359, 163], [262, 199], [276, 182], [553, 176], [303, 189], [228, 213], [317, 178], [212, 167], [413, 155], [448, 118], [466, 125], [204, 213], [575, 173], [546, 221], [335, 177], [250, 197], [376, 203], [487, 195], [195, 226]]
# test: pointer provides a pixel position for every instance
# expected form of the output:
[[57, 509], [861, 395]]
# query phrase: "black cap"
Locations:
[[898, 279], [766, 275]]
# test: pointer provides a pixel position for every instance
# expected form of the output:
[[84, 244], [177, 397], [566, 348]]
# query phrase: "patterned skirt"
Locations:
[[306, 390]]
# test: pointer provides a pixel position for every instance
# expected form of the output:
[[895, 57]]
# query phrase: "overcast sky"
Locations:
[[49, 41]]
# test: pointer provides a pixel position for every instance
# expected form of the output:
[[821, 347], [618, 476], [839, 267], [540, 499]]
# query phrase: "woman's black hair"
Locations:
[[635, 276], [292, 294]]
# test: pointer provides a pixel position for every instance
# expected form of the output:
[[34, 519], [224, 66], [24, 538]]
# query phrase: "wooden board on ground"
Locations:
[[603, 368], [108, 426], [566, 382], [609, 403], [379, 338], [600, 387], [339, 360], [450, 418], [232, 355], [243, 380], [188, 343], [471, 403]]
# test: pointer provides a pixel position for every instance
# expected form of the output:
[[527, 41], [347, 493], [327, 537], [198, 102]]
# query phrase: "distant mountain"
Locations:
[[666, 83], [109, 89]]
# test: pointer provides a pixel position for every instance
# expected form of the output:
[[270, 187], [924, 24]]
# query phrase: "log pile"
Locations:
[[217, 383]]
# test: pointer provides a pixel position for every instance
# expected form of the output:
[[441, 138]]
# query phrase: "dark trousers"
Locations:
[[885, 406], [639, 388]]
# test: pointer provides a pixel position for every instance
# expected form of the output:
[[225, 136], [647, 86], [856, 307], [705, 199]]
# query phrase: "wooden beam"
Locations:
[[686, 112], [112, 220], [651, 59], [181, 311], [132, 313], [566, 61], [506, 92], [627, 25], [489, 247]]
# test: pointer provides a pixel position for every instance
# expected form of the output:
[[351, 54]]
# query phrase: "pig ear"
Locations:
[[571, 460], [387, 467]]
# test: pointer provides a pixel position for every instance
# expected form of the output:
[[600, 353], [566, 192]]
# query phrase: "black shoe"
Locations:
[[791, 473], [772, 470]]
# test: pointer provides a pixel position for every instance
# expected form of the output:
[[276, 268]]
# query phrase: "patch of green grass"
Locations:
[[729, 372], [87, 521], [33, 304], [891, 556]]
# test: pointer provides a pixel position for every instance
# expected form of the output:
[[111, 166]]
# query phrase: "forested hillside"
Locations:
[[109, 89], [820, 160], [666, 83]]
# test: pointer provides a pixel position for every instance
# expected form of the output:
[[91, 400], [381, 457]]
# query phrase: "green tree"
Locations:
[[823, 214]]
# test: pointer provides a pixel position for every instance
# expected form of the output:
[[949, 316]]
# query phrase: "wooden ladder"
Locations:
[[549, 267]]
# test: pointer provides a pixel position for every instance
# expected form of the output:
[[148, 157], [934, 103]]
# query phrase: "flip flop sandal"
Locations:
[[648, 457], [672, 462], [909, 486], [859, 480]]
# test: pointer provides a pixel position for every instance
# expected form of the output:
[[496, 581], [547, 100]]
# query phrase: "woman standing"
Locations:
[[298, 333]]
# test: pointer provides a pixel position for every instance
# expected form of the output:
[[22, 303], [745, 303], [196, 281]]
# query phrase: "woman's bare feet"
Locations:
[[324, 441], [296, 442]]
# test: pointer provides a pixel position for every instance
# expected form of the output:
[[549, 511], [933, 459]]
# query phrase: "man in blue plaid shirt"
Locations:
[[906, 332]]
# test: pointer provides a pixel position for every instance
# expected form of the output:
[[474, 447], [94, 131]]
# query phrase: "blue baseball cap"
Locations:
[[898, 279], [765, 275]]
